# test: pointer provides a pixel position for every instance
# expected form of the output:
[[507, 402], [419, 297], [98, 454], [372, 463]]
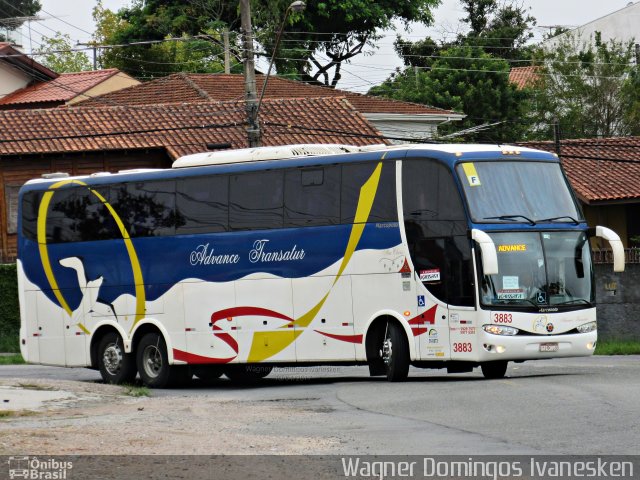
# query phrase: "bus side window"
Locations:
[[202, 204], [147, 209], [256, 200], [30, 204], [384, 205], [312, 197]]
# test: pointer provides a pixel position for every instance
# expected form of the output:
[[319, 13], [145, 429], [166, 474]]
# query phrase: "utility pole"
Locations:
[[227, 56], [253, 130], [556, 135]]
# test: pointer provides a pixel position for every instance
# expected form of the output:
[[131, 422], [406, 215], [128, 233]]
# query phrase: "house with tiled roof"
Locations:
[[18, 70], [25, 83], [396, 120], [605, 174], [108, 139], [524, 77]]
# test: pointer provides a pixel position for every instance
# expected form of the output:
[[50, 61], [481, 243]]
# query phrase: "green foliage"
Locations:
[[159, 21], [469, 80], [501, 30], [15, 359], [617, 347], [591, 88], [13, 13], [9, 309], [323, 37], [57, 55], [471, 73]]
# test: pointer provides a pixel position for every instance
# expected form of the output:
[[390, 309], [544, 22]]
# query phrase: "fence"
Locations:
[[604, 256]]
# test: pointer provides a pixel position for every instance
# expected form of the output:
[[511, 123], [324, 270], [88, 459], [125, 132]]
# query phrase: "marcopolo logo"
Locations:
[[34, 468]]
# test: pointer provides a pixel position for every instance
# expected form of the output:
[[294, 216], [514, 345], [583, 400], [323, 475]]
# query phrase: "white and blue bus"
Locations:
[[436, 256]]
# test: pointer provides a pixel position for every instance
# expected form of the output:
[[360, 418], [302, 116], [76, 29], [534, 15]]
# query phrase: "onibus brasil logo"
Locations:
[[35, 469]]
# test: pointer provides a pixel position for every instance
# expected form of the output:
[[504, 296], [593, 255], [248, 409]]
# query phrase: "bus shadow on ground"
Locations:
[[224, 383]]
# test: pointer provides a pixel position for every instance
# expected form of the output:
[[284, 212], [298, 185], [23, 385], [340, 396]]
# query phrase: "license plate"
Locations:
[[548, 347]]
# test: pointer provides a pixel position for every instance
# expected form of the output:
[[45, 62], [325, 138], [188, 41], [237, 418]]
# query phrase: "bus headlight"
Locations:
[[587, 327], [500, 330]]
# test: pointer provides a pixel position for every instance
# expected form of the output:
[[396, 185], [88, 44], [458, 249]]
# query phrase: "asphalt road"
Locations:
[[563, 406]]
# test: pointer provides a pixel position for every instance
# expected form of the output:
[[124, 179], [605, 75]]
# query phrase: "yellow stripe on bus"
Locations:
[[46, 262]]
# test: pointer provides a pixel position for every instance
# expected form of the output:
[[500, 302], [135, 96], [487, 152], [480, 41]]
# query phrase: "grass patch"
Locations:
[[135, 391], [36, 386], [11, 359], [618, 347], [16, 413]]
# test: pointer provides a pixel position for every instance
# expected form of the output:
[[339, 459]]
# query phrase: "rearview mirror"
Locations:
[[488, 251], [616, 246]]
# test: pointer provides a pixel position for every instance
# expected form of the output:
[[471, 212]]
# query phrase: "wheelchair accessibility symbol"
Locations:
[[541, 297], [421, 302]]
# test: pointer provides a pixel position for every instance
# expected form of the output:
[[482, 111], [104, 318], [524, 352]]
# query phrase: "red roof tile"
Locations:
[[183, 87], [524, 77], [600, 170], [61, 89], [183, 128]]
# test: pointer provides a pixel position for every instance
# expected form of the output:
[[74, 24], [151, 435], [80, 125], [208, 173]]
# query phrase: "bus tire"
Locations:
[[153, 364], [115, 365], [395, 353], [247, 373], [494, 370]]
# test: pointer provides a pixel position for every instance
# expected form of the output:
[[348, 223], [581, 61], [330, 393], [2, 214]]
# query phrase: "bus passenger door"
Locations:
[[330, 332], [462, 333]]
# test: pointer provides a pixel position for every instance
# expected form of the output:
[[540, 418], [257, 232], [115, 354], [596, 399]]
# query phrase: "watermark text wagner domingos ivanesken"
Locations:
[[429, 467]]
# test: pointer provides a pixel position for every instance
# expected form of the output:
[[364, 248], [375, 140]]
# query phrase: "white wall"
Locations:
[[11, 79], [622, 25]]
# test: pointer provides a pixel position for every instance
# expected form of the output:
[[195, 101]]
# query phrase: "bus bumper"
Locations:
[[535, 347]]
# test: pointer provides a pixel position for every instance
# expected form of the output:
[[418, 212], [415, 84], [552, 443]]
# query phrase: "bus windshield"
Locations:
[[517, 191], [540, 269]]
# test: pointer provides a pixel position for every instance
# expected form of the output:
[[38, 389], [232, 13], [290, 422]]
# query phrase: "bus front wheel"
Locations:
[[115, 365], [495, 369], [153, 364], [394, 352]]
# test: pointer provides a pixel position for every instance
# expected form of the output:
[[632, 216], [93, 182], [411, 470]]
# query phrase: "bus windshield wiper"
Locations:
[[573, 220], [574, 300], [510, 217]]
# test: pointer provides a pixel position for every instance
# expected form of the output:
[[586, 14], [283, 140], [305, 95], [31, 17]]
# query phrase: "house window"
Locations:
[[11, 201]]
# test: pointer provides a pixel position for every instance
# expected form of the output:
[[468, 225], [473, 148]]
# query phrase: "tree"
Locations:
[[13, 13], [502, 30], [58, 55], [469, 80], [318, 41], [174, 48], [591, 88]]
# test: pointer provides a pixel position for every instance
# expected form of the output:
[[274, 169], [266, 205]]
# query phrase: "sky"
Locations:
[[73, 17]]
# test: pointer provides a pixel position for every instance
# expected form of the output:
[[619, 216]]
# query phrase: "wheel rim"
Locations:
[[152, 361], [387, 350], [112, 359]]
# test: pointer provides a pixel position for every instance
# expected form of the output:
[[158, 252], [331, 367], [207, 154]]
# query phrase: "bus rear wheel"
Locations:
[[394, 352], [153, 364], [495, 369], [115, 365]]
